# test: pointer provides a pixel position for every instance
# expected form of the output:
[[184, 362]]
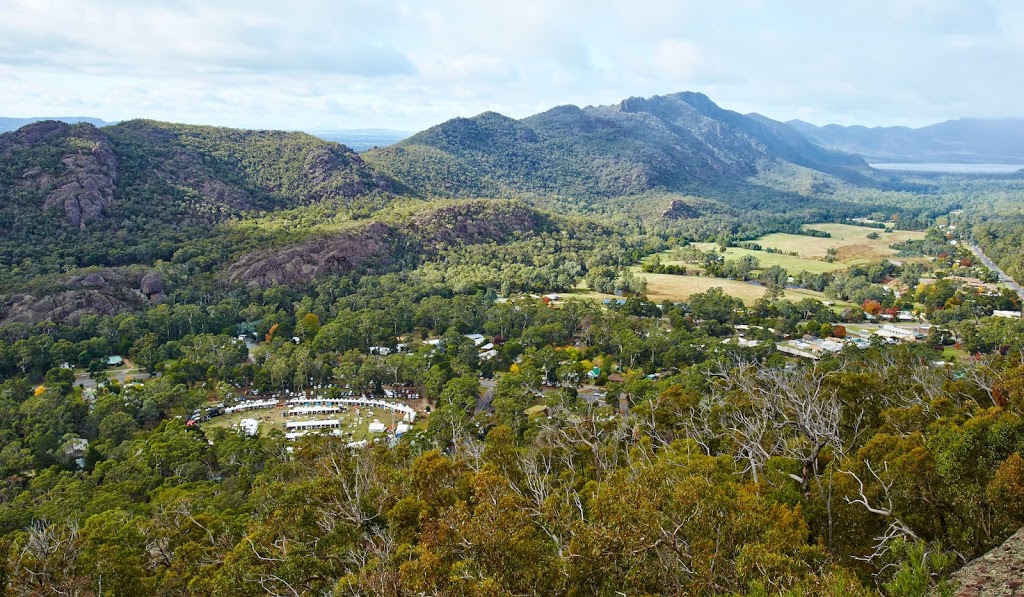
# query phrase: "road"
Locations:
[[120, 374], [591, 394], [483, 404], [992, 266]]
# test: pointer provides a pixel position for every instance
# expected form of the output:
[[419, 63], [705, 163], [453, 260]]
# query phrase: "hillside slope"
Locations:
[[677, 142], [75, 195]]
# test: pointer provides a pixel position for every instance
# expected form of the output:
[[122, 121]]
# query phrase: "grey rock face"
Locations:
[[999, 573], [88, 182], [152, 284]]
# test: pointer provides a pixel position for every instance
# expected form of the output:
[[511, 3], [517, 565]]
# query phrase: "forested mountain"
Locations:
[[141, 192], [966, 140], [674, 142], [75, 195]]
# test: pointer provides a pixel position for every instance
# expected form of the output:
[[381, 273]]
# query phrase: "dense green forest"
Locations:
[[572, 435]]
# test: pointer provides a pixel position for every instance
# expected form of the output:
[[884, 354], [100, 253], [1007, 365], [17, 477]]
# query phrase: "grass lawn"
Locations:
[[852, 243], [583, 293], [954, 355], [273, 418]]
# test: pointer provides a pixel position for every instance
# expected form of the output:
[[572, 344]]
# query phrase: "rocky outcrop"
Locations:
[[379, 245], [680, 210], [85, 185], [81, 182], [66, 299], [322, 165], [299, 264], [67, 307], [999, 573], [474, 222]]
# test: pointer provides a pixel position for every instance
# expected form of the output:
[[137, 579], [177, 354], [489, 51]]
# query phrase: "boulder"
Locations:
[[152, 284]]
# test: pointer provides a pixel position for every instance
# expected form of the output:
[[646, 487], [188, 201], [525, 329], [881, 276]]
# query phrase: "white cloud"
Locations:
[[411, 63]]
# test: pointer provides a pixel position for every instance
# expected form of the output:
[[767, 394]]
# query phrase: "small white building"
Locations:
[[898, 333], [312, 425], [1008, 314], [250, 405], [250, 427], [829, 345], [305, 411]]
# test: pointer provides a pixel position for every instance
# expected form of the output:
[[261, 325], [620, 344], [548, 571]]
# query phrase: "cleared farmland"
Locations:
[[851, 242], [681, 288], [791, 263], [852, 246]]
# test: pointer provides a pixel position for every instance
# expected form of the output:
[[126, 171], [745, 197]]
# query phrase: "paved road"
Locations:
[[992, 266], [483, 403]]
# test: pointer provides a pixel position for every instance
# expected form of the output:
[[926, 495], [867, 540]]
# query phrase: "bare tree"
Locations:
[[897, 529], [781, 412]]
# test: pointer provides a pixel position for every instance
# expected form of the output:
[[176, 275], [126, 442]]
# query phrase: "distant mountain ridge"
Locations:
[[966, 140], [12, 124], [675, 142]]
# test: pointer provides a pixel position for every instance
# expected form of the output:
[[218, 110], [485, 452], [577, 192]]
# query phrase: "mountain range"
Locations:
[[967, 140], [282, 208], [13, 124], [960, 141], [182, 175], [680, 142]]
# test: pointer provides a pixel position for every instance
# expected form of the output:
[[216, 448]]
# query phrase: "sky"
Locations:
[[407, 65]]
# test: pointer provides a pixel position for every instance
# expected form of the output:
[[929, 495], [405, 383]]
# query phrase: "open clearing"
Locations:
[[852, 243], [354, 426], [681, 288], [790, 263], [675, 288]]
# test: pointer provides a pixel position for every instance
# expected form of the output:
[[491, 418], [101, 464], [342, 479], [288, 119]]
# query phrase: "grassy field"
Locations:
[[791, 263], [681, 288], [355, 427], [662, 287], [852, 243], [583, 293]]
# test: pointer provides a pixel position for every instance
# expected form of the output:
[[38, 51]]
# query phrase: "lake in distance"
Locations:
[[951, 168]]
